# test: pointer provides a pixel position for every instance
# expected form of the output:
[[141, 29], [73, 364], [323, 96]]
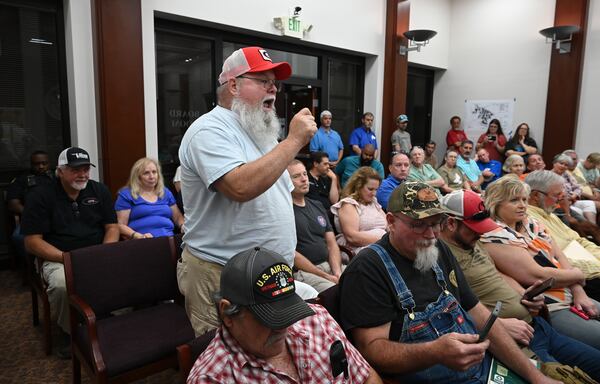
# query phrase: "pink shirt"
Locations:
[[371, 219]]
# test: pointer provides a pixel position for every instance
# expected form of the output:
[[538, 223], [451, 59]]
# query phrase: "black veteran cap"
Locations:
[[415, 199], [261, 280]]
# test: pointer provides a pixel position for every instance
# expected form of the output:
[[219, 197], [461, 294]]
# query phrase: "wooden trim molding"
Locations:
[[117, 27], [564, 82], [394, 74]]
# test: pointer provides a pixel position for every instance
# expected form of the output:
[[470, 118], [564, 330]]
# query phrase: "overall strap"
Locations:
[[439, 276], [403, 295]]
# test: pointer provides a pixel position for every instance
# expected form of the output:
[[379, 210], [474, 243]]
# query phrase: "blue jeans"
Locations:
[[551, 346], [569, 324]]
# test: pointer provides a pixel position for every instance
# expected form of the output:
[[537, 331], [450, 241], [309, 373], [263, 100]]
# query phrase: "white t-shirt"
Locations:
[[217, 228], [177, 177]]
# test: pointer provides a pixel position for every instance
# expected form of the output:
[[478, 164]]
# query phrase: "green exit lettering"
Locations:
[[294, 25]]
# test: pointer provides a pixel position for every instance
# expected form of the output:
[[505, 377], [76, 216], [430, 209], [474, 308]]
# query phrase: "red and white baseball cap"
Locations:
[[468, 207], [252, 59]]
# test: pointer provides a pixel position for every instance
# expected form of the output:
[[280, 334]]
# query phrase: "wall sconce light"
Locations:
[[416, 39], [561, 36]]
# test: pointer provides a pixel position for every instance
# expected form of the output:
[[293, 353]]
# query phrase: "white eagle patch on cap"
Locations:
[[265, 55]]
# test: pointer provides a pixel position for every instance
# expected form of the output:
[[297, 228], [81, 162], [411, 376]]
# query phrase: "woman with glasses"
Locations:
[[145, 208], [358, 217], [493, 140], [521, 143], [525, 253]]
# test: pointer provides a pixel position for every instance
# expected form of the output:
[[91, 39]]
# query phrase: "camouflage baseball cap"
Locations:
[[415, 199]]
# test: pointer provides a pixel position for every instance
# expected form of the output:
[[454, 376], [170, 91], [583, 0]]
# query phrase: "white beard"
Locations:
[[427, 255], [78, 186], [263, 127]]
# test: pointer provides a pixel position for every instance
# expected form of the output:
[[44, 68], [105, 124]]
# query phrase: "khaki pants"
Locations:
[[317, 282], [198, 280], [54, 274]]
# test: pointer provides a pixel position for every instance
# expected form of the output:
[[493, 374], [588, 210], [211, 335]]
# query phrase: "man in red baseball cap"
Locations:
[[234, 183], [468, 220]]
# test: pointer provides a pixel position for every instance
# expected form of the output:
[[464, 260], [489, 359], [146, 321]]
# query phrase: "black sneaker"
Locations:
[[63, 349], [64, 352]]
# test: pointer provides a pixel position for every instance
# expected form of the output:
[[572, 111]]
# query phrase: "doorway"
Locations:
[[419, 103], [291, 100]]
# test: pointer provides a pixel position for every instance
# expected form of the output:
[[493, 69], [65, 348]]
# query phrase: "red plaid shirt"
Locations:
[[308, 340]]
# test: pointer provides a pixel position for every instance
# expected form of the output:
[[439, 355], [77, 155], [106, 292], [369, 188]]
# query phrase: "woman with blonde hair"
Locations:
[[358, 217], [525, 253], [145, 208]]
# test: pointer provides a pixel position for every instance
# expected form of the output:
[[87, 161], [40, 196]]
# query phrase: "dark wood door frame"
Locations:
[[117, 29], [564, 82], [395, 72]]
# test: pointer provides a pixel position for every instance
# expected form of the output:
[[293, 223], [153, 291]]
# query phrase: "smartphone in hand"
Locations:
[[490, 321], [546, 285], [580, 313]]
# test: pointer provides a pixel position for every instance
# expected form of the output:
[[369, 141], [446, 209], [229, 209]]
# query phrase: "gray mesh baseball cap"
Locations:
[[252, 59]]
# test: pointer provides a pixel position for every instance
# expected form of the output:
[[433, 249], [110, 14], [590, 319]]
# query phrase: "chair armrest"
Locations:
[[88, 315], [347, 251], [184, 358]]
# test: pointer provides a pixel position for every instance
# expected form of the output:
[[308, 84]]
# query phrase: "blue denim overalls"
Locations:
[[441, 317]]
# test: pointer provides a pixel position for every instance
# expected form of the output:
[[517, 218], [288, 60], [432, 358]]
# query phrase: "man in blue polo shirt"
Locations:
[[327, 140], [468, 166], [491, 170], [364, 135], [399, 168]]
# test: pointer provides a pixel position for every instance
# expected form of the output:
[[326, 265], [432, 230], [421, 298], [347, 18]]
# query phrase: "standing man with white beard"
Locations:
[[234, 182], [70, 213], [409, 308]]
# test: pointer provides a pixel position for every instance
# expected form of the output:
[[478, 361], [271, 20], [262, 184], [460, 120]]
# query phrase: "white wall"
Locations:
[[80, 79], [359, 27], [587, 139], [495, 52], [435, 15]]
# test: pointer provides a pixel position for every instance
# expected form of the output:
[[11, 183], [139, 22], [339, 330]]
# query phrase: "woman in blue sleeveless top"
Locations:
[[145, 208]]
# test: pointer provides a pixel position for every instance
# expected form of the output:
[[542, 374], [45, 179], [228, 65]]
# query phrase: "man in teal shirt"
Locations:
[[350, 164]]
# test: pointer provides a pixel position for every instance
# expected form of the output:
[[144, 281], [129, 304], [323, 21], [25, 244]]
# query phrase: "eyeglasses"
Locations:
[[75, 209], [555, 198], [266, 83], [419, 227]]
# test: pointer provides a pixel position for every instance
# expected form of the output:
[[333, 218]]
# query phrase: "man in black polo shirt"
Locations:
[[317, 258], [409, 308], [38, 175], [323, 185], [71, 213]]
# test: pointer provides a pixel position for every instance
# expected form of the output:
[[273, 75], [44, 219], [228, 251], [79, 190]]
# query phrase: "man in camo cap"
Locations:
[[409, 308]]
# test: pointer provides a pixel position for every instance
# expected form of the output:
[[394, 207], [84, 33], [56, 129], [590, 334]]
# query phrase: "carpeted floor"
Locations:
[[22, 359]]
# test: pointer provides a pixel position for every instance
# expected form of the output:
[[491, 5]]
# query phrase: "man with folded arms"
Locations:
[[268, 334], [467, 222]]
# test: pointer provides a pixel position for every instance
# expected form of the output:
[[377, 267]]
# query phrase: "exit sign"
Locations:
[[291, 26]]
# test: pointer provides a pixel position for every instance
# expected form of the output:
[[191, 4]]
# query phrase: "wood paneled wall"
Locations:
[[395, 73], [117, 26], [564, 82]]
